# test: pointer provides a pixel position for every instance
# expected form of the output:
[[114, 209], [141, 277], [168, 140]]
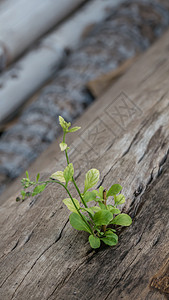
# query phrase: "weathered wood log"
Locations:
[[125, 136], [39, 64]]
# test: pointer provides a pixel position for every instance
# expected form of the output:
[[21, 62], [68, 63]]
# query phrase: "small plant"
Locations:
[[97, 219]]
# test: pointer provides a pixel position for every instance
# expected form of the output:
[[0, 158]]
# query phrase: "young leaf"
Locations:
[[114, 190], [96, 192], [113, 210], [64, 124], [37, 177], [119, 199], [111, 230], [95, 208], [111, 238], [77, 222], [68, 202], [68, 172], [92, 177], [27, 175], [63, 146], [38, 189], [88, 209], [102, 217], [122, 219], [23, 193], [18, 199], [58, 176], [94, 241], [92, 209], [101, 188], [89, 196], [74, 129], [102, 205]]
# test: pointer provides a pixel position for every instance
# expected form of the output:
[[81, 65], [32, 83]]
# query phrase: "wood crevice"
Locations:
[[37, 259]]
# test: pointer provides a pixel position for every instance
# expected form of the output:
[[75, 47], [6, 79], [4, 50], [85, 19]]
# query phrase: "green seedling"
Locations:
[[90, 213]]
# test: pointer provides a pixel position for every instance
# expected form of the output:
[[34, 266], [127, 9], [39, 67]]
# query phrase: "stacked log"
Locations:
[[22, 22], [39, 64]]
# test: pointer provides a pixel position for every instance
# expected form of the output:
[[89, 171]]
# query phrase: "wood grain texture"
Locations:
[[41, 256]]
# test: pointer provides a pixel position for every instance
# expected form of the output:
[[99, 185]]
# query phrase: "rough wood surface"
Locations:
[[42, 257]]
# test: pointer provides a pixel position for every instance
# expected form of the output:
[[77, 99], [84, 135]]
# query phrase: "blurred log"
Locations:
[[22, 22], [126, 136], [98, 85], [33, 69]]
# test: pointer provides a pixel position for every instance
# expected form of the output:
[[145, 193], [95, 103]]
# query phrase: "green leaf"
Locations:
[[111, 229], [94, 241], [77, 222], [68, 173], [101, 189], [119, 199], [88, 209], [27, 175], [89, 196], [64, 124], [102, 217], [68, 202], [102, 205], [58, 176], [111, 238], [18, 199], [91, 178], [95, 208], [63, 146], [114, 190], [113, 210], [23, 193], [122, 219], [91, 209], [96, 192], [37, 177], [38, 189], [74, 129]]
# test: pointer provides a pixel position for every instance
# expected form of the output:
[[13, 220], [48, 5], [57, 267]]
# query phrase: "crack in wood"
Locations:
[[35, 262], [132, 142], [16, 244], [128, 267], [162, 163], [28, 237], [70, 274], [8, 276]]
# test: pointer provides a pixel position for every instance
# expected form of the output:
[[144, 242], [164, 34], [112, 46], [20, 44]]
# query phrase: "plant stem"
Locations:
[[104, 197], [73, 180], [82, 217]]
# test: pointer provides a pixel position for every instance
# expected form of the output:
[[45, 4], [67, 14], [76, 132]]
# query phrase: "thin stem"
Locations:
[[56, 181], [73, 180], [104, 197]]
